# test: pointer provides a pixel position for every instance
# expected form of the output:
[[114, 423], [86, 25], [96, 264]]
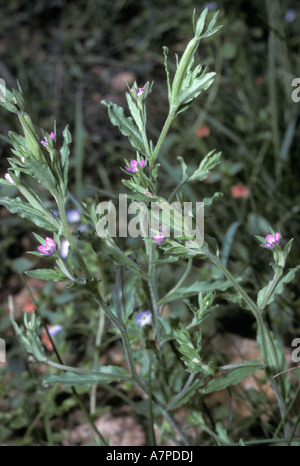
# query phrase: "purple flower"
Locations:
[[134, 166], [140, 91], [49, 248], [44, 142], [9, 178], [290, 16], [144, 318], [160, 237], [271, 240], [72, 215], [54, 330]]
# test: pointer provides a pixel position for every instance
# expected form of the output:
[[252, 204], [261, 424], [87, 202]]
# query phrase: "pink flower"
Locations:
[[271, 240], [134, 166], [49, 248], [44, 142], [160, 237]]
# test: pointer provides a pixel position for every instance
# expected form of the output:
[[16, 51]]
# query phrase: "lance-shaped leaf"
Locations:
[[42, 173], [65, 152], [278, 289], [233, 376], [49, 275], [135, 112], [105, 374], [126, 125], [207, 164], [198, 85], [8, 100], [196, 288], [24, 210]]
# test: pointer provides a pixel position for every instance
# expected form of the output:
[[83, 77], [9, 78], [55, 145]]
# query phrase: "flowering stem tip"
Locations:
[[271, 240], [44, 142]]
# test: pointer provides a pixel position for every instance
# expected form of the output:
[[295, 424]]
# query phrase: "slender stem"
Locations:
[[84, 371], [267, 348], [270, 290], [180, 282], [125, 340], [146, 143], [98, 339], [151, 285], [176, 189], [150, 404], [163, 134], [182, 393], [69, 237], [133, 371]]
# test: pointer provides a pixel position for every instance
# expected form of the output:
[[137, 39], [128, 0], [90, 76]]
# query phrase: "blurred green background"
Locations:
[[68, 56]]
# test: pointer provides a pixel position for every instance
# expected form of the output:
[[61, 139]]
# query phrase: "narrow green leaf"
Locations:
[[135, 112], [195, 288], [42, 173], [166, 51], [106, 374], [126, 126], [187, 95], [201, 23], [17, 206], [207, 201], [65, 152], [46, 274], [232, 377], [279, 287], [207, 164]]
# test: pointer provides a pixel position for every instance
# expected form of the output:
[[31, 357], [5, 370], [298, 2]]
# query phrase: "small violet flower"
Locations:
[[44, 142], [271, 240], [134, 166], [53, 330], [290, 16], [72, 215], [144, 318], [211, 5], [160, 237], [49, 248], [139, 91]]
